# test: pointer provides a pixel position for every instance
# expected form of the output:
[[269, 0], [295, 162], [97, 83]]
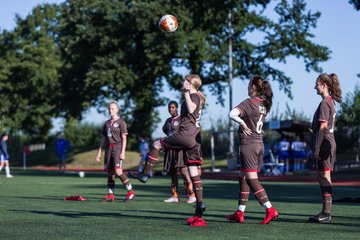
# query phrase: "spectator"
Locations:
[[62, 147]]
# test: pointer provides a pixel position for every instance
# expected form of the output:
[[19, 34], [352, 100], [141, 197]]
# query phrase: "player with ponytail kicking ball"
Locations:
[[250, 115], [188, 139]]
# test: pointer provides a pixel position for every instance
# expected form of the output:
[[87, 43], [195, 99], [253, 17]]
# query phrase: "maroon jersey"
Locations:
[[112, 132], [171, 125], [190, 121], [253, 112], [325, 112]]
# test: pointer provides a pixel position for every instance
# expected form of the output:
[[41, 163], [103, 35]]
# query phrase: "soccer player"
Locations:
[[188, 139], [324, 145], [250, 115], [4, 155], [114, 136], [174, 160]]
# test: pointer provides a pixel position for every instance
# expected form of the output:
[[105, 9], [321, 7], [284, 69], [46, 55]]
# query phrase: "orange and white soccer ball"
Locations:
[[168, 23]]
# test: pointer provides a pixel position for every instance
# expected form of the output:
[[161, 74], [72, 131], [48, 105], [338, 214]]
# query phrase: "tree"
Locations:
[[29, 64], [114, 49], [349, 114], [290, 114], [355, 3]]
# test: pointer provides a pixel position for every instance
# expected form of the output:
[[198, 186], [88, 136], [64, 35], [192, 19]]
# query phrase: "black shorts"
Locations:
[[112, 157], [251, 156], [189, 143]]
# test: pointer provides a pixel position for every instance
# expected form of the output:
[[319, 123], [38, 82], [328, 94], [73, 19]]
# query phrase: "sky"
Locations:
[[337, 28]]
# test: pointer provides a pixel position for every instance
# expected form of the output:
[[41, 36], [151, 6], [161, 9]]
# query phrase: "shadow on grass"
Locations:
[[180, 216]]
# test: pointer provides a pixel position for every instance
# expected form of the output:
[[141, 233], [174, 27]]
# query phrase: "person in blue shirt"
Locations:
[[4, 155], [62, 147], [144, 149]]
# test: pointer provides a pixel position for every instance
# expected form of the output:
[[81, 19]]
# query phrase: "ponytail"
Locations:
[[267, 94], [335, 92], [263, 90], [203, 98], [333, 85]]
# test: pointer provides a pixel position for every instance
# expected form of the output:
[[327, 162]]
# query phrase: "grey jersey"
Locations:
[[253, 112], [325, 112], [190, 121], [112, 132]]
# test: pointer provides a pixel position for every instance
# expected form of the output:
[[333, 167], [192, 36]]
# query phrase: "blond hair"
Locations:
[[195, 80], [115, 103]]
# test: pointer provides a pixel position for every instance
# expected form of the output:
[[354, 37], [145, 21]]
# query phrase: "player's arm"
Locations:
[[191, 106], [123, 145], [320, 138], [165, 128], [235, 116]]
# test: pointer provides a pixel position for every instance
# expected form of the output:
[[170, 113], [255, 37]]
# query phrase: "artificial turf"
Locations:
[[33, 207]]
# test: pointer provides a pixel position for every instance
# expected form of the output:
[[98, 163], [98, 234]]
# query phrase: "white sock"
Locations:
[[242, 208], [7, 170], [267, 205], [111, 191], [128, 187]]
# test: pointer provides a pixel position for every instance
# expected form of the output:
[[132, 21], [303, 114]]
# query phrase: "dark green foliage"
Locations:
[[355, 3], [348, 120], [29, 72], [350, 109], [82, 134], [92, 51]]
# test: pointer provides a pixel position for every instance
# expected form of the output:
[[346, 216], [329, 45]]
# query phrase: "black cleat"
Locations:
[[321, 218], [139, 176]]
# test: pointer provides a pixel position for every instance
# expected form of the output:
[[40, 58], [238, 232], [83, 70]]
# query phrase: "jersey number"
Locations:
[[197, 123], [331, 130], [259, 124]]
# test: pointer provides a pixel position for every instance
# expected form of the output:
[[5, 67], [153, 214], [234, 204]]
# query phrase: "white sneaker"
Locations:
[[191, 199], [9, 176], [172, 200]]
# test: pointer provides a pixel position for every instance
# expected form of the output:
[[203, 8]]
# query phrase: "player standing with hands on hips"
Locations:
[[188, 139], [113, 139], [324, 145], [250, 115]]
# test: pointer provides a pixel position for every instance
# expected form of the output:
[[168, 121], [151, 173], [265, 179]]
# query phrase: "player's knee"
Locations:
[[194, 171], [157, 144], [119, 172]]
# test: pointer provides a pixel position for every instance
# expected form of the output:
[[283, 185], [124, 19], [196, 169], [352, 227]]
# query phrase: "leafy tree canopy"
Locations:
[[101, 50]]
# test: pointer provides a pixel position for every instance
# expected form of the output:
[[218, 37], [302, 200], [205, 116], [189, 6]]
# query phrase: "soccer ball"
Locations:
[[168, 23], [81, 174]]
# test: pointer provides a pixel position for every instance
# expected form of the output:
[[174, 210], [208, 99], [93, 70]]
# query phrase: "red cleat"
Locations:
[[198, 222], [271, 214], [108, 198], [238, 216], [191, 220], [130, 195]]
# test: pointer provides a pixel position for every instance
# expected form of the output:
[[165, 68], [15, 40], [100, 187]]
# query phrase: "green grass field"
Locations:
[[32, 207]]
